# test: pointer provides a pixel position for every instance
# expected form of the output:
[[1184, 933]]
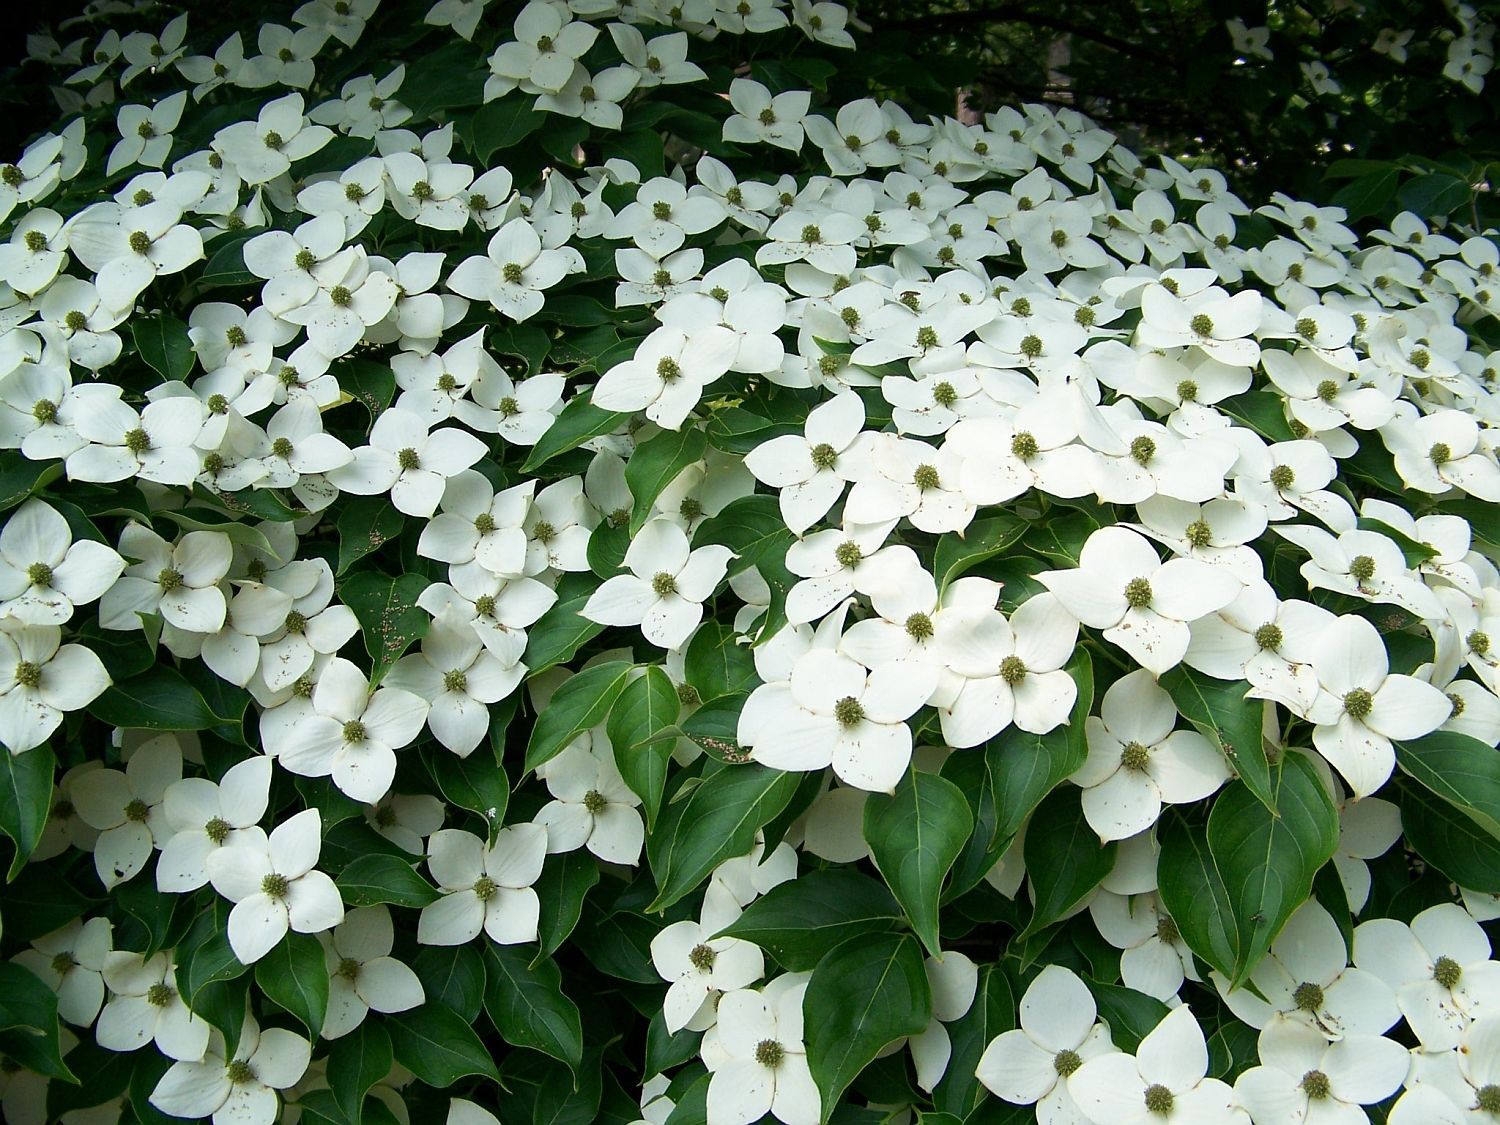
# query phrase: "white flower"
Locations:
[[1303, 1077], [699, 967], [127, 808], [592, 806], [498, 609], [1360, 708], [69, 961], [35, 253], [129, 248], [407, 461], [362, 973], [406, 820], [756, 1056], [239, 1090], [1163, 1081], [1142, 604], [541, 57], [1137, 761], [351, 734], [485, 887], [263, 149], [202, 816], [666, 586], [953, 980], [1269, 643], [1439, 967], [40, 681], [274, 886], [458, 678], [156, 445], [146, 133], [1059, 1032], [832, 712], [179, 582], [668, 373], [145, 1006], [807, 469]]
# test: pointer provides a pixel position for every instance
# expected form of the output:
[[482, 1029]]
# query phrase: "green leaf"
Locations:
[[502, 124], [1016, 770], [388, 615], [1131, 1015], [21, 477], [915, 834], [1461, 770], [28, 1022], [716, 663], [656, 463], [798, 921], [452, 976], [1414, 553], [164, 345], [365, 524], [1450, 841], [25, 800], [227, 266], [718, 819], [477, 782], [384, 878], [566, 880], [992, 1013], [608, 543], [715, 727], [648, 705], [753, 529], [583, 702], [295, 975], [983, 539], [1262, 411], [1231, 888], [863, 996], [560, 632], [160, 699], [1064, 859], [438, 1046], [524, 999], [1222, 713], [371, 384], [356, 1062], [579, 421], [1367, 195], [1434, 194]]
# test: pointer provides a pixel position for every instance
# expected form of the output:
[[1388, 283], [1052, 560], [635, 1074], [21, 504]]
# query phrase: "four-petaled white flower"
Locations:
[[363, 976], [486, 886], [666, 587]]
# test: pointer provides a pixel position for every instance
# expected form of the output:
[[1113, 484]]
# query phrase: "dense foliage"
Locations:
[[611, 562]]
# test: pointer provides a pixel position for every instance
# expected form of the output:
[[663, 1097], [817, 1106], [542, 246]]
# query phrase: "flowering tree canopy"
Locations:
[[593, 561]]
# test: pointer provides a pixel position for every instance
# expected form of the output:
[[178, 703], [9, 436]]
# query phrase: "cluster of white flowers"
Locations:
[[1013, 318]]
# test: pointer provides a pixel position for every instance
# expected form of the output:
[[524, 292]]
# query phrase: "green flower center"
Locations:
[[138, 441], [848, 554], [305, 259], [408, 459], [76, 321], [1135, 757], [355, 732], [274, 885], [1362, 568], [848, 711], [159, 995], [543, 532], [1268, 638], [456, 681], [485, 888], [40, 574], [217, 830], [1447, 972], [1166, 931], [811, 234], [273, 141], [667, 369], [1012, 670], [1198, 533], [240, 1072], [661, 210], [1440, 454], [663, 585], [28, 674], [513, 272], [137, 810], [12, 175], [341, 296], [1138, 593], [824, 456], [1024, 446], [1328, 390], [688, 695], [36, 241], [484, 605], [1358, 703], [1315, 1085], [348, 969], [1308, 997], [1478, 642], [702, 957], [919, 627], [927, 337], [1487, 1099], [925, 478], [282, 447], [944, 395], [1142, 449], [1066, 1062], [1307, 327], [1282, 476], [1031, 346], [1187, 391], [169, 579], [1158, 1099], [421, 191], [595, 802], [769, 1053]]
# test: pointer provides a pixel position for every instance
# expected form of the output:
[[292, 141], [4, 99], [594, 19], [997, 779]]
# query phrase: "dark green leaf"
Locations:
[[163, 344], [25, 800], [356, 1062], [1433, 195], [477, 782], [565, 881], [864, 995], [715, 727], [388, 615], [227, 265], [525, 1001], [656, 463], [503, 123], [1461, 770], [716, 663], [1064, 858], [718, 819], [915, 835], [28, 1021], [560, 632], [438, 1046], [579, 704], [579, 421], [1222, 713], [1450, 841], [648, 704], [1367, 195], [365, 524], [800, 920], [384, 878], [160, 699], [295, 975], [1131, 1015], [452, 976], [992, 1013], [20, 477], [983, 539]]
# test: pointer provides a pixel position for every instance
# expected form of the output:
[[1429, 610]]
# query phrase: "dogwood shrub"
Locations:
[[572, 563]]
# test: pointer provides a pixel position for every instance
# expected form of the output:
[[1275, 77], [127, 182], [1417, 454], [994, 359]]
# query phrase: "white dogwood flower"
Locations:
[[363, 976], [666, 587], [485, 887]]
